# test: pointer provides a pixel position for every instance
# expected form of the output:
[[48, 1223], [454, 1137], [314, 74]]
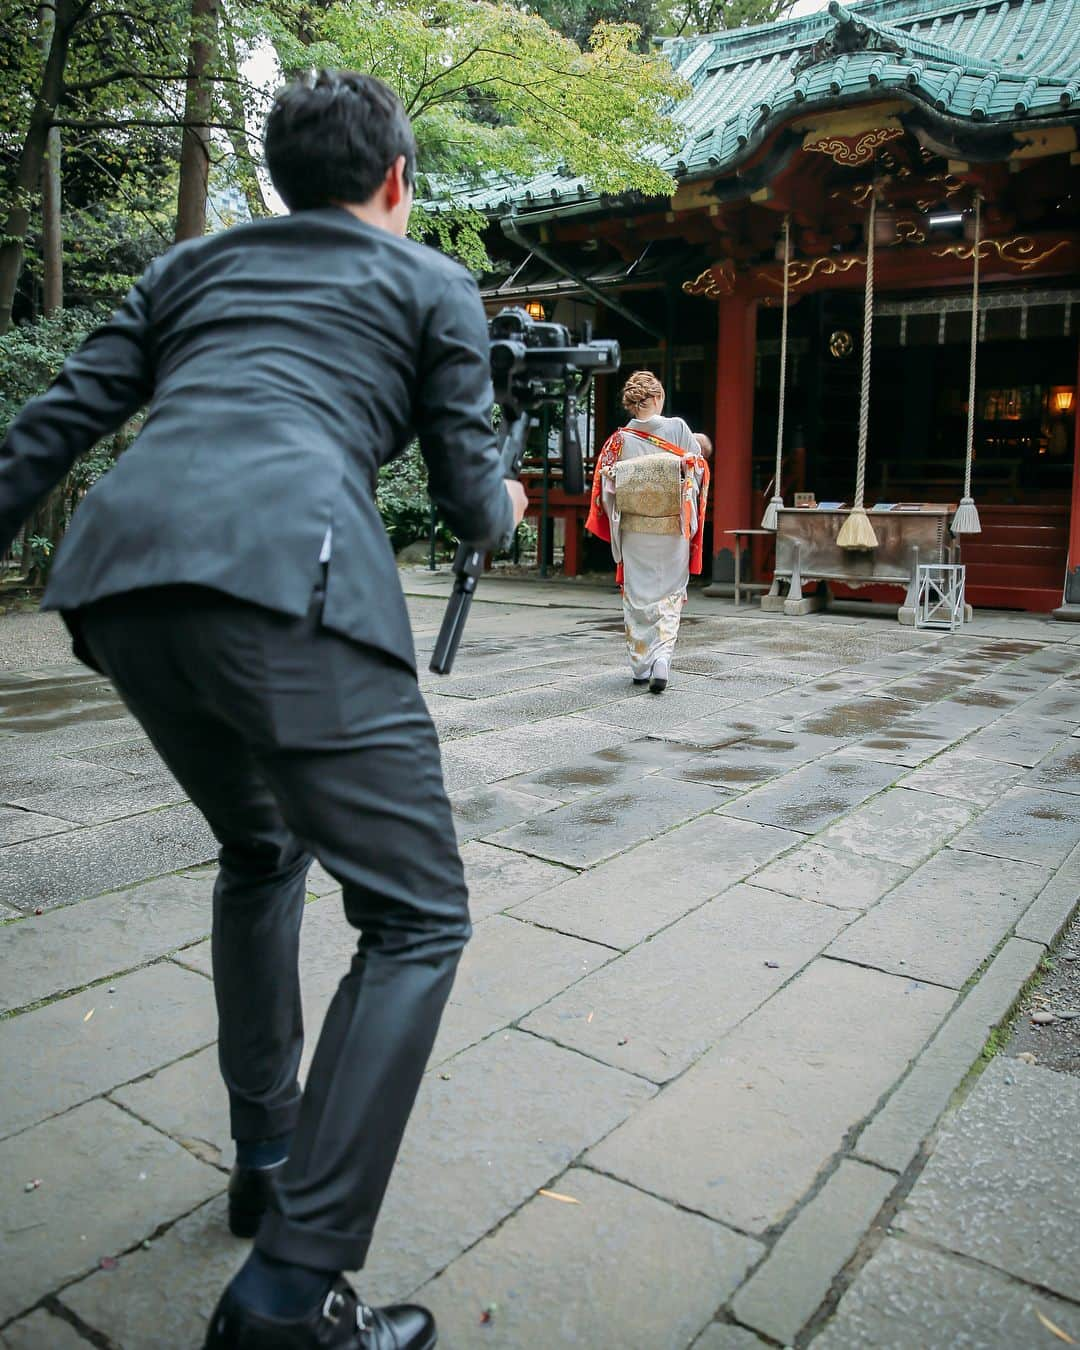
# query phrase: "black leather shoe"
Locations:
[[341, 1322], [250, 1192], [644, 679]]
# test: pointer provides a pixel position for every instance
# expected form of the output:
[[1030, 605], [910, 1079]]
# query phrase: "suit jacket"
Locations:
[[282, 363]]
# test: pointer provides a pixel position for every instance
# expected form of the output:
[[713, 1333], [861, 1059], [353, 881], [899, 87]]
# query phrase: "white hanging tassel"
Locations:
[[771, 519], [966, 520], [856, 533]]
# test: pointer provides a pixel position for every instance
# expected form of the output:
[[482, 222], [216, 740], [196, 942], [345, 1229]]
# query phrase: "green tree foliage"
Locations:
[[495, 92], [30, 358]]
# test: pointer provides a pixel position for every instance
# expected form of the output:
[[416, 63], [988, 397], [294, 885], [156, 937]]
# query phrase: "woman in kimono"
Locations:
[[648, 500]]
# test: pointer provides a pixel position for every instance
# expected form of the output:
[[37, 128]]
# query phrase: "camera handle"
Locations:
[[469, 560]]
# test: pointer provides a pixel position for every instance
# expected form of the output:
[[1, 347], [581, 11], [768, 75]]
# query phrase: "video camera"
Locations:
[[533, 364]]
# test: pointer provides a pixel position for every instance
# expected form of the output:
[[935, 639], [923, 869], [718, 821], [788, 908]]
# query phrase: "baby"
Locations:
[[705, 444]]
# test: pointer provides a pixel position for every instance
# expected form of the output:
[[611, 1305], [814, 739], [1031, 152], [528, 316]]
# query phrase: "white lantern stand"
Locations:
[[940, 596]]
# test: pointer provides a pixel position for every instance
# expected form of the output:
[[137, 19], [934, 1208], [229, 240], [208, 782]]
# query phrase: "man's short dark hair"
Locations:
[[333, 136]]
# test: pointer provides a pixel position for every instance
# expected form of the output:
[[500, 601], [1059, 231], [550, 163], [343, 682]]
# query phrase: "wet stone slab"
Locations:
[[1059, 771], [623, 901], [909, 1298], [1019, 739], [162, 1295], [1061, 702], [1028, 824], [93, 1201], [945, 919], [83, 1045], [18, 825], [573, 1270], [70, 866], [830, 876], [754, 760], [494, 755], [42, 956], [785, 1291], [965, 776], [727, 1336], [498, 878], [552, 1104], [87, 805], [41, 1331], [899, 826], [187, 1101], [742, 1135], [606, 769], [1001, 1185], [810, 798], [657, 1009], [643, 713], [29, 771], [588, 831], [511, 967], [482, 810]]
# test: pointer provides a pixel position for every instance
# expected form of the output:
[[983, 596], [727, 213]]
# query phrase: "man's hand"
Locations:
[[518, 498]]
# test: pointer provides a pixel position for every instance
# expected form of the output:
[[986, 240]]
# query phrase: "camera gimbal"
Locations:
[[532, 364]]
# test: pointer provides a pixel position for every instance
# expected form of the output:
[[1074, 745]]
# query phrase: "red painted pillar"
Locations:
[[733, 441], [1070, 608]]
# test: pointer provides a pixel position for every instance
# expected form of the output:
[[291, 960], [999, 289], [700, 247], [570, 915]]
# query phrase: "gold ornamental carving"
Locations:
[[714, 283], [908, 232], [800, 272], [854, 196], [1019, 251], [854, 150]]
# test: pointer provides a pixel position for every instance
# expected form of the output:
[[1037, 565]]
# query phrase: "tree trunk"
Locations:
[[32, 159], [195, 143], [52, 239]]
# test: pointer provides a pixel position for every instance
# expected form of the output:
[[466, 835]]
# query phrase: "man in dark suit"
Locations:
[[232, 577]]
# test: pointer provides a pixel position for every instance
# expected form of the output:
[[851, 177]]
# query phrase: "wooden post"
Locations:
[[1070, 607], [733, 442]]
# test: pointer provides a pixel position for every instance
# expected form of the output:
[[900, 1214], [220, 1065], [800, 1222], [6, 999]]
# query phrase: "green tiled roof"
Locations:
[[994, 62]]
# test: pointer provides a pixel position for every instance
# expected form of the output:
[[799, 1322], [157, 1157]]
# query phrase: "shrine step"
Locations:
[[1034, 599], [1050, 573]]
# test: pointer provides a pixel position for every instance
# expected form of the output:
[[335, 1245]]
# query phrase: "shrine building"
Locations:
[[959, 124]]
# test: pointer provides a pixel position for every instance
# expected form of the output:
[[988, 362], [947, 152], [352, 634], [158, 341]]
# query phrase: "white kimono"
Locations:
[[656, 567]]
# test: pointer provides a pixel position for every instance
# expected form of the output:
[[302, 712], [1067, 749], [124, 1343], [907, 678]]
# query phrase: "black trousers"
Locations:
[[295, 742]]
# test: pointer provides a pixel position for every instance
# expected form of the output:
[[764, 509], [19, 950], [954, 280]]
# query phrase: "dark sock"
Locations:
[[278, 1289], [263, 1152]]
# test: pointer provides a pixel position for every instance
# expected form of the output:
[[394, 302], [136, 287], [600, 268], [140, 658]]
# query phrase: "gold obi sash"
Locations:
[[648, 494]]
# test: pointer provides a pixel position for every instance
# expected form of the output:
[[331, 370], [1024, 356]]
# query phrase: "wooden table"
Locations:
[[740, 585]]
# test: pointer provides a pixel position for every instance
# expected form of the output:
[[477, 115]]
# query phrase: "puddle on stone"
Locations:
[[982, 698], [46, 705], [579, 777], [1047, 813]]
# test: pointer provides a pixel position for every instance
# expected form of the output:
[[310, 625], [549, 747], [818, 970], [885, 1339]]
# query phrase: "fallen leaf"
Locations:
[[590, 1017], [108, 1263], [1054, 1330], [554, 1195], [89, 1015]]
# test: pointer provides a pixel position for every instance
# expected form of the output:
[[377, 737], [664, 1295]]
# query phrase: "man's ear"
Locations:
[[394, 184]]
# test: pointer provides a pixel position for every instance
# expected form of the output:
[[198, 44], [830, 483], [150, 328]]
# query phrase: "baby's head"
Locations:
[[704, 443]]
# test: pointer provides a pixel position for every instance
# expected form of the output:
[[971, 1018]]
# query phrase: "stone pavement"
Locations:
[[737, 952]]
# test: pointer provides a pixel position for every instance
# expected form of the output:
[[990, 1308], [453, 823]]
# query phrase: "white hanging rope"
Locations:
[[966, 519], [770, 519], [857, 532]]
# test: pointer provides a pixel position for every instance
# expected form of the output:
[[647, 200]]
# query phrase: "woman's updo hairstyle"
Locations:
[[640, 388]]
